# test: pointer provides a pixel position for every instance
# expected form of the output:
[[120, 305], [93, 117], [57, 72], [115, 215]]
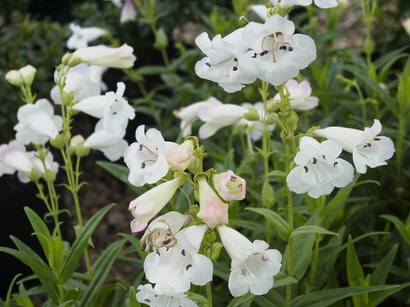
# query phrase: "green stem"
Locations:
[[209, 294]]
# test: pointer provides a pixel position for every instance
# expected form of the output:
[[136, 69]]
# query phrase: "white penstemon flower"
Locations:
[[111, 107], [101, 55], [13, 157], [37, 123], [318, 168], [277, 53], [174, 269], [254, 128], [149, 204], [253, 264], [146, 158], [300, 95], [161, 231], [82, 36], [217, 115], [324, 4], [151, 297], [224, 63], [113, 146], [367, 147], [81, 81]]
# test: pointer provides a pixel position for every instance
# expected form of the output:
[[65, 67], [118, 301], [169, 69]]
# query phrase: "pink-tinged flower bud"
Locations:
[[27, 73], [179, 156], [128, 12], [229, 186], [102, 55], [213, 211], [14, 77]]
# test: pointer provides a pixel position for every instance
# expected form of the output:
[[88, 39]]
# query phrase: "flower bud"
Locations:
[[213, 211], [161, 39], [229, 186], [66, 58], [58, 142], [252, 114], [292, 120], [34, 175], [102, 55], [74, 61], [14, 77], [49, 176], [27, 73], [179, 157]]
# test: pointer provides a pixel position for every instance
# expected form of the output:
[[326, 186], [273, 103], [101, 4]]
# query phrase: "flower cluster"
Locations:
[[271, 52], [319, 169], [180, 243]]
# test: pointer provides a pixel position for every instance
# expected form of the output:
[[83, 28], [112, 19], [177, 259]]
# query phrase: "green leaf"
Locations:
[[382, 269], [8, 296], [401, 228], [37, 265], [152, 70], [40, 229], [136, 243], [355, 274], [275, 219], [311, 229], [284, 281], [76, 251], [379, 297], [324, 298], [264, 302], [100, 270], [242, 301], [120, 172], [403, 93], [132, 298], [276, 174]]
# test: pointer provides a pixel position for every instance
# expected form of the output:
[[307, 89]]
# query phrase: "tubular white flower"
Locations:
[[79, 81], [13, 157], [212, 210], [224, 63], [146, 206], [217, 115], [151, 297], [188, 115], [253, 264], [128, 12], [51, 165], [102, 55], [113, 146], [37, 123], [319, 170], [161, 231], [27, 73], [229, 186], [82, 36], [300, 98], [112, 107], [175, 268], [367, 147], [278, 54], [146, 158]]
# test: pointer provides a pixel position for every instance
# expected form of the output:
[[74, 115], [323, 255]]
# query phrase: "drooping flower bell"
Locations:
[[318, 168], [367, 147]]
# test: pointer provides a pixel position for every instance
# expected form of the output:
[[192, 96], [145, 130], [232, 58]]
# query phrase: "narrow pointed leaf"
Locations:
[[275, 219], [40, 229], [311, 229]]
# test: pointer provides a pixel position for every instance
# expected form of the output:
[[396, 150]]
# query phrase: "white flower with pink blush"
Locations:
[[217, 115], [149, 204], [367, 147], [179, 156], [101, 55], [212, 210], [253, 264], [300, 95], [229, 186], [13, 157]]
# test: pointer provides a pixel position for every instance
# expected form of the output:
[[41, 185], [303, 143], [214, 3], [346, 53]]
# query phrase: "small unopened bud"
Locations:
[[27, 73], [14, 77], [272, 106], [368, 46], [67, 98], [268, 194], [66, 58], [273, 118], [34, 175], [77, 140], [292, 120], [58, 142], [161, 39], [215, 251], [252, 114], [49, 176], [74, 61], [179, 157]]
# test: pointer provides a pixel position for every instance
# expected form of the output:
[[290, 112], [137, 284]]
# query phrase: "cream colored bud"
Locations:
[[14, 77], [27, 73], [77, 140]]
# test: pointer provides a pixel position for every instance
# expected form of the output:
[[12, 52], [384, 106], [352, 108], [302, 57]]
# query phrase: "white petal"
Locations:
[[325, 4], [236, 284], [201, 271], [359, 162], [96, 106]]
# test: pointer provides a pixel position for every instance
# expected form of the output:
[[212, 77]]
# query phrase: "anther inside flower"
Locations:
[[319, 170], [146, 158], [278, 54]]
